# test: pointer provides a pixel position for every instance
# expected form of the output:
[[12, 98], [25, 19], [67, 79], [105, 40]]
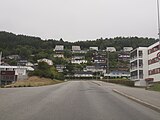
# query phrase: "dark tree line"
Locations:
[[27, 45]]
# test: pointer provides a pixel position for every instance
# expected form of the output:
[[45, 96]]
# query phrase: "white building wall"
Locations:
[[154, 65], [78, 61], [138, 80], [146, 66], [145, 63]]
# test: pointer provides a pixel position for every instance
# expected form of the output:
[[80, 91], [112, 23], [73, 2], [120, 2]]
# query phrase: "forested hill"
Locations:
[[15, 44]]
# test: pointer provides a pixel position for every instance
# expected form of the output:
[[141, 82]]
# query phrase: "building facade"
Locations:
[[154, 62], [139, 68], [145, 64], [59, 51], [10, 74]]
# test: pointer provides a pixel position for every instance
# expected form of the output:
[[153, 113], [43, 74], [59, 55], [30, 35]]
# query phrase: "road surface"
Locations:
[[75, 100]]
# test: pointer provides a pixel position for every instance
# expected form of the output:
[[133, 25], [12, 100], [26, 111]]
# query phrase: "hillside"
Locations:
[[27, 45]]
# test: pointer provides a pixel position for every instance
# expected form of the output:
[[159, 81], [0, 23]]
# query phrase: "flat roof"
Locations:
[[17, 67]]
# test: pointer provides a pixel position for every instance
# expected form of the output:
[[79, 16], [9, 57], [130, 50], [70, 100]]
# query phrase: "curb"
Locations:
[[153, 107]]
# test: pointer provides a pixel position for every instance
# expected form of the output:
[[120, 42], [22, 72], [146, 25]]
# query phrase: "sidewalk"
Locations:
[[151, 97]]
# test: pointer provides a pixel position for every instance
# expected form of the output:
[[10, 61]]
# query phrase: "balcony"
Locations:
[[133, 68], [133, 58]]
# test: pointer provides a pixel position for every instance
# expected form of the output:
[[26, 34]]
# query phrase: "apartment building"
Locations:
[[139, 65], [145, 64], [154, 62]]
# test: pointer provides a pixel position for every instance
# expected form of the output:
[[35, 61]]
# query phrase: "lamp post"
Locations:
[[158, 20], [158, 55]]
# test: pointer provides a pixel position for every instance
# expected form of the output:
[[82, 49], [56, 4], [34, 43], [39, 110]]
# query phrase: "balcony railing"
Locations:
[[134, 68]]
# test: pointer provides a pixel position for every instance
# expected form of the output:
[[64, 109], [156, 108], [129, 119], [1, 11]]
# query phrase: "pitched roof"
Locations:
[[59, 47], [76, 48]]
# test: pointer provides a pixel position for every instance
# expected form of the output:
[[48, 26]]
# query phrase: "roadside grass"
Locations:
[[33, 82], [155, 87]]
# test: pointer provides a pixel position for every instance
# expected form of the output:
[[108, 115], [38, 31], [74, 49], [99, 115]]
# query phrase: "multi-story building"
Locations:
[[117, 74], [123, 56], [99, 57], [154, 62], [145, 64], [96, 68], [99, 61], [139, 68], [59, 51], [60, 68]]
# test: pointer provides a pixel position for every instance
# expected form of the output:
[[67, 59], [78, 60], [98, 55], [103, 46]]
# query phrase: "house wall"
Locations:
[[154, 66], [151, 64]]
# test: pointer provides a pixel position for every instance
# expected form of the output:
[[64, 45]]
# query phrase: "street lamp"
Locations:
[[158, 55], [158, 20]]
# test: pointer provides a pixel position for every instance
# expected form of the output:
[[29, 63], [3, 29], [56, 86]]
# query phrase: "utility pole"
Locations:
[[158, 20], [158, 26]]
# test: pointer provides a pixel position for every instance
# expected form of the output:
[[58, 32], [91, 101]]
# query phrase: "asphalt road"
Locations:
[[76, 100]]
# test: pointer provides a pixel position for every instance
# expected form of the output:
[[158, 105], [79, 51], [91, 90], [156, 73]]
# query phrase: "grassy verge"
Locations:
[[34, 82], [155, 87], [121, 82]]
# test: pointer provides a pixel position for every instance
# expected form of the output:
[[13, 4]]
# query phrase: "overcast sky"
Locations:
[[75, 20]]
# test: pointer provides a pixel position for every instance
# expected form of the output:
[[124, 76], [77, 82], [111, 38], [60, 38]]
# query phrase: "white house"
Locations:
[[95, 68], [93, 48], [59, 48], [111, 49], [59, 51], [59, 55], [76, 48], [83, 74], [49, 62], [78, 60], [117, 74], [127, 49]]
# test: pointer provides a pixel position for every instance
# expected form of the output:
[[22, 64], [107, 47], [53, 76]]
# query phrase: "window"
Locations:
[[152, 61], [140, 53], [154, 49]]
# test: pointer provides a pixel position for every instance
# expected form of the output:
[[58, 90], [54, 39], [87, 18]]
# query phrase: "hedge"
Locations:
[[122, 82]]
